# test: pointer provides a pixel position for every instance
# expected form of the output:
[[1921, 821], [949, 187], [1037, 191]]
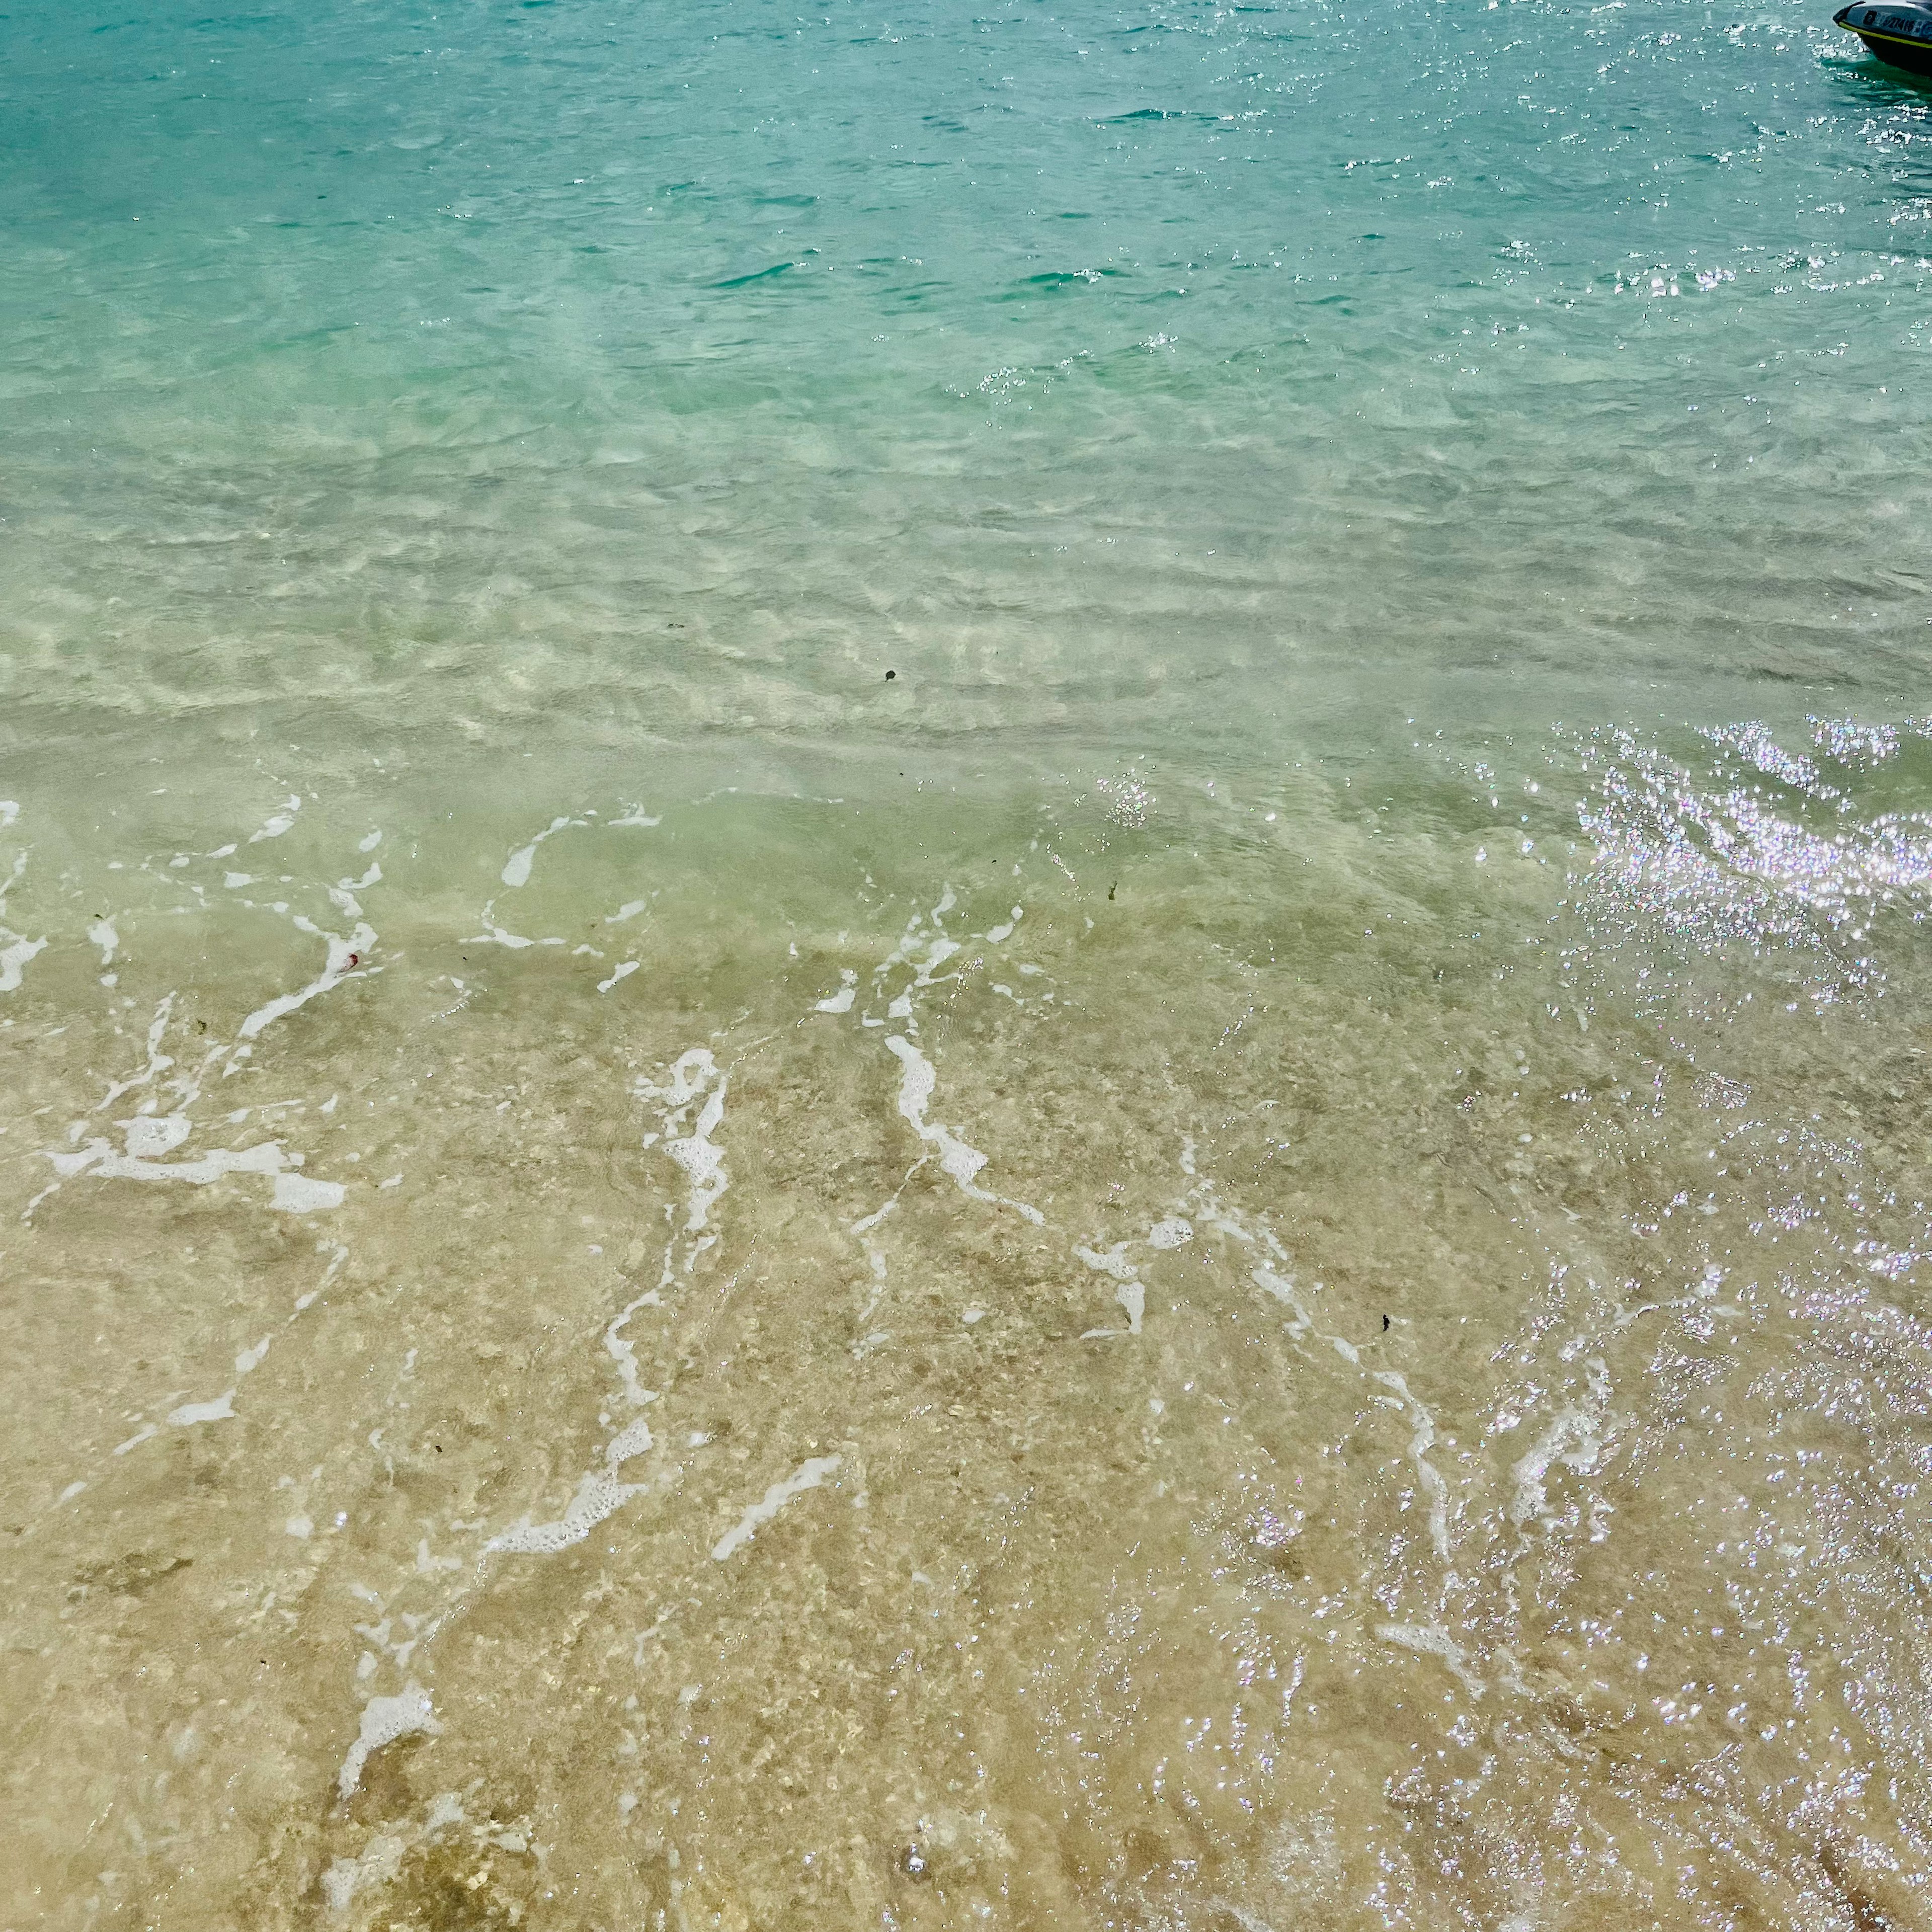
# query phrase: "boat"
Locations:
[[1901, 34]]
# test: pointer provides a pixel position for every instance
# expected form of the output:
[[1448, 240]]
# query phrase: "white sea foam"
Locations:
[[600, 1494], [297, 1194], [1421, 1443], [1576, 1437], [840, 1002], [15, 956], [695, 1074], [384, 1720], [97, 1157], [221, 1409], [516, 867], [622, 1352], [1271, 1277], [1436, 1641], [16, 950], [344, 955], [807, 1476], [278, 823], [148, 1136], [1129, 1291], [342, 894], [694, 1077], [382, 1858], [158, 1063], [494, 934], [959, 1161]]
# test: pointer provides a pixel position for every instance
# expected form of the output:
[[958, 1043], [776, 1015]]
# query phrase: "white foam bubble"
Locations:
[[296, 1194], [158, 1063], [867, 1223], [1421, 1443], [516, 867], [624, 1353], [1129, 1291], [344, 954], [840, 1002], [98, 1157], [1270, 1279], [494, 934], [599, 1496], [384, 1720], [1575, 1438], [807, 1476], [278, 823], [1435, 1640], [960, 1161], [15, 956], [148, 1136], [693, 1072], [1269, 1283], [633, 1439], [341, 890], [339, 1883], [221, 1409]]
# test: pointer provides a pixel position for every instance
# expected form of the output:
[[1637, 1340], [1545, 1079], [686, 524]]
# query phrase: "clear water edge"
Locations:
[[1433, 826]]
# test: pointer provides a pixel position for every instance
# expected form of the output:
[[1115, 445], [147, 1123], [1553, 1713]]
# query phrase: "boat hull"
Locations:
[[1901, 38], [1900, 53]]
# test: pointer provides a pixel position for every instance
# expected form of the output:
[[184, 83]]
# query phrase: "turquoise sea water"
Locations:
[[1175, 372], [963, 967]]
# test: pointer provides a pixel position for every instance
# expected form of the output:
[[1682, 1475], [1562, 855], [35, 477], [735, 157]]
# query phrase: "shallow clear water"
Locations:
[[1239, 1252]]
